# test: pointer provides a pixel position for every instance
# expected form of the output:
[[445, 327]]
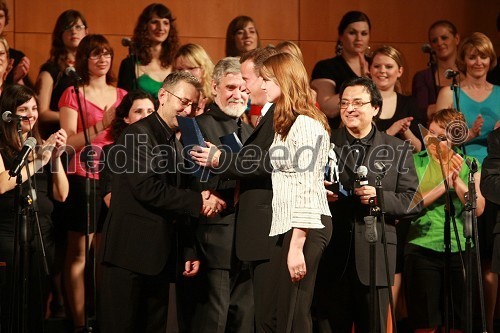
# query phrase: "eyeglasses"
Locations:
[[356, 104], [77, 27], [105, 54], [185, 102]]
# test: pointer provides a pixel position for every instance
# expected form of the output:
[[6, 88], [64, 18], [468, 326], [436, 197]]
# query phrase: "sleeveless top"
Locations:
[[489, 109]]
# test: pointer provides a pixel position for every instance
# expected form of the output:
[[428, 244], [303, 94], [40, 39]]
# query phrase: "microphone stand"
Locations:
[[470, 230], [456, 96], [433, 66], [371, 237], [23, 238], [449, 216], [381, 213], [90, 219], [133, 56]]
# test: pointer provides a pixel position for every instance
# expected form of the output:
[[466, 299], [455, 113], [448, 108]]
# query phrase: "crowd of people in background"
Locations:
[[270, 233]]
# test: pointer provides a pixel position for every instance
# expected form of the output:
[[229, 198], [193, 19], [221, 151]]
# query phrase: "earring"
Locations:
[[338, 48]]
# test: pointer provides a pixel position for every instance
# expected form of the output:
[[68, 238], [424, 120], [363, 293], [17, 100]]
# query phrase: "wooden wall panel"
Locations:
[[313, 23]]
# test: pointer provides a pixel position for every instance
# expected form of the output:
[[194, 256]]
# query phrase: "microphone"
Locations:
[[127, 42], [361, 179], [450, 73], [7, 117], [71, 72], [426, 48], [472, 164], [18, 164]]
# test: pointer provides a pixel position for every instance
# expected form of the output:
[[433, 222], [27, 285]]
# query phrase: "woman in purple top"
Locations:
[[444, 40]]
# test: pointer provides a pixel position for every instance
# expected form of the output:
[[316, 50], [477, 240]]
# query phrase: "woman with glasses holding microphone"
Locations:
[[94, 58]]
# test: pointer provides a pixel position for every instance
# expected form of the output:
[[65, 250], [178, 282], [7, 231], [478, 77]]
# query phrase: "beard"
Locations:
[[234, 110]]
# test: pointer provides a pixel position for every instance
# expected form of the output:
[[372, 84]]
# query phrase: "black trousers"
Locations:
[[216, 300], [132, 302], [265, 292], [345, 301], [293, 306]]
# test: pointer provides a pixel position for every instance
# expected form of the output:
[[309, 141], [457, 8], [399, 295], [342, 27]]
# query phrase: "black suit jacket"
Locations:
[[215, 235], [490, 176], [253, 168], [399, 186], [147, 199]]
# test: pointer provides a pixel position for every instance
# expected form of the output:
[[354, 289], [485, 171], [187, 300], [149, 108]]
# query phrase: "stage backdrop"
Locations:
[[310, 23]]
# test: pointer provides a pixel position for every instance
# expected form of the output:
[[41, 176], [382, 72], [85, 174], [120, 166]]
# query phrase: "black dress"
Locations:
[[61, 83], [38, 281], [337, 70]]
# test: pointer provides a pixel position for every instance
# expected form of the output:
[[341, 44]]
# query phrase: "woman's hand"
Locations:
[[57, 142], [330, 196], [109, 115], [400, 126], [296, 263], [475, 130], [363, 65]]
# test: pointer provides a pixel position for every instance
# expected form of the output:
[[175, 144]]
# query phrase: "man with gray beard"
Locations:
[[222, 292]]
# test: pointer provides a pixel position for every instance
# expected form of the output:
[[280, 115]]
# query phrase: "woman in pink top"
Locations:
[[94, 58]]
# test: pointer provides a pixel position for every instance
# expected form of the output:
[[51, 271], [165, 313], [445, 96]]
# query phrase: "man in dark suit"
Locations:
[[342, 287], [490, 187], [223, 291], [150, 197], [253, 216]]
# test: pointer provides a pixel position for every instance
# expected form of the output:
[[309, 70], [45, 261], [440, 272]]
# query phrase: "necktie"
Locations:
[[258, 121]]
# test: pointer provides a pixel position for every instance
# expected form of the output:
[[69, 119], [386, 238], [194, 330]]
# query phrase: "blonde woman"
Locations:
[[288, 46], [400, 116], [301, 217], [4, 61], [194, 59]]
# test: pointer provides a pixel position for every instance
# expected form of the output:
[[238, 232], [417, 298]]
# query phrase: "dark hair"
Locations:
[[3, 6], [141, 35], [370, 87], [348, 18], [443, 23], [351, 17], [122, 110], [12, 97], [238, 23], [58, 51], [258, 56], [88, 45]]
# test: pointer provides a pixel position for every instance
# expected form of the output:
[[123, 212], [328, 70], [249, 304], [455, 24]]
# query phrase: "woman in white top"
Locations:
[[301, 216]]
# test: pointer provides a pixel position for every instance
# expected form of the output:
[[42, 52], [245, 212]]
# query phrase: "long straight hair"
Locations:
[[296, 98]]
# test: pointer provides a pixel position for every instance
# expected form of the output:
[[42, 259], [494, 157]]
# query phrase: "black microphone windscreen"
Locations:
[[68, 71], [450, 73], [426, 48], [127, 42]]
